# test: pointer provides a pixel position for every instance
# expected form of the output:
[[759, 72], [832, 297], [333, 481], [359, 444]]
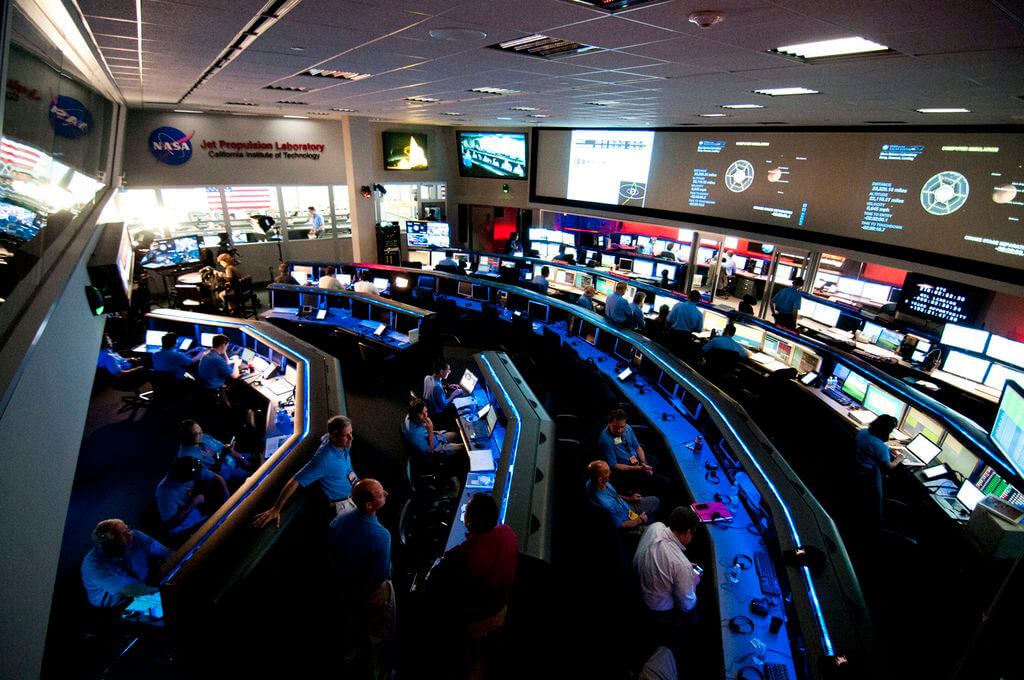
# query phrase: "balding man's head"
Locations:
[[369, 496], [598, 472]]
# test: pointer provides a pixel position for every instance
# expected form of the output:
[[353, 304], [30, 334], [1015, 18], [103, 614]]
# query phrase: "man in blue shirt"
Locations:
[[114, 363], [632, 513], [418, 432], [561, 256], [439, 395], [725, 341], [215, 367], [872, 457], [586, 301], [686, 317], [449, 263], [786, 304], [359, 551], [331, 465], [170, 360], [616, 308], [117, 569], [637, 320], [318, 223], [220, 463], [540, 281], [631, 470], [177, 502]]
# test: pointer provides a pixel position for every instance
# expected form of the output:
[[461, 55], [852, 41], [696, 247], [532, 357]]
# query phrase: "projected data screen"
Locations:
[[955, 193], [610, 166], [492, 154], [939, 299]]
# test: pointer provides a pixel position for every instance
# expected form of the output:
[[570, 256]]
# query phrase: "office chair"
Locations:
[[243, 298], [720, 368], [133, 383]]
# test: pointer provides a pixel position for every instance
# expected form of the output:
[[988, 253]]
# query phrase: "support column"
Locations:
[[360, 167]]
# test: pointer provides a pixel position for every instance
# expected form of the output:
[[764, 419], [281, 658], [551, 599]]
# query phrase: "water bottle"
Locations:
[[760, 651], [698, 445], [734, 573]]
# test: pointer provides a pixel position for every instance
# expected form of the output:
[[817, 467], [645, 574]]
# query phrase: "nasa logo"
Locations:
[[170, 145], [69, 117]]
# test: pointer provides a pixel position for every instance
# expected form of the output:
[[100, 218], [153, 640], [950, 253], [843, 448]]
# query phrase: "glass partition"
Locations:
[[297, 201], [254, 214]]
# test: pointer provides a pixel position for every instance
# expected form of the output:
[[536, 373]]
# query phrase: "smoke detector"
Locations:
[[706, 18]]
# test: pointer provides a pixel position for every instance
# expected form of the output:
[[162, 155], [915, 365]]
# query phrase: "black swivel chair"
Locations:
[[243, 298], [720, 368]]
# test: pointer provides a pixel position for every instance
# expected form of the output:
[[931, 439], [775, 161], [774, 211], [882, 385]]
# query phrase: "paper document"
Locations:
[[464, 402], [480, 460]]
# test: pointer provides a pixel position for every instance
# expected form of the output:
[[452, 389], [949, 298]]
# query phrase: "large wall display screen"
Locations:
[[954, 194]]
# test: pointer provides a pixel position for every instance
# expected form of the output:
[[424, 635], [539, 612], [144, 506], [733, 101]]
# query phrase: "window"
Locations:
[[245, 206], [297, 201]]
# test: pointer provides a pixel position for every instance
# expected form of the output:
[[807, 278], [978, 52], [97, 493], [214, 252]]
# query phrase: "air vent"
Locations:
[[317, 113], [283, 88], [422, 100], [344, 110], [613, 6], [292, 103], [239, 104], [494, 90], [542, 46], [337, 75]]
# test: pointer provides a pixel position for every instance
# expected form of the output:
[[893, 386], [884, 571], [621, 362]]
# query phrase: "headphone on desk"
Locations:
[[741, 625]]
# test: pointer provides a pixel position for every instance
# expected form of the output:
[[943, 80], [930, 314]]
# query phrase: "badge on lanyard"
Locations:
[[633, 460], [617, 441]]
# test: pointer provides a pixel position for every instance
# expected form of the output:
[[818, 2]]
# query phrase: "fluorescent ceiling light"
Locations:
[[344, 110], [422, 100], [832, 48], [451, 113], [290, 116], [494, 90], [539, 115], [504, 117], [742, 106], [711, 115], [186, 111], [602, 103], [943, 110], [781, 91], [524, 108]]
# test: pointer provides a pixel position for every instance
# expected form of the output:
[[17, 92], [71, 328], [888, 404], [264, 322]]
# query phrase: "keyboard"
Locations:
[[477, 429], [836, 394], [766, 574], [776, 671]]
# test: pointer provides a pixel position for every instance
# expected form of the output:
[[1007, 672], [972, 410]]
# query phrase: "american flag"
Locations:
[[15, 155], [249, 200]]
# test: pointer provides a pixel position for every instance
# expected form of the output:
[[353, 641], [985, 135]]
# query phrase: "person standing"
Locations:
[[359, 551], [786, 304], [318, 223]]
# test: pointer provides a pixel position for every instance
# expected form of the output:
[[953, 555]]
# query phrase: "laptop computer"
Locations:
[[468, 382], [483, 425], [919, 451], [960, 506]]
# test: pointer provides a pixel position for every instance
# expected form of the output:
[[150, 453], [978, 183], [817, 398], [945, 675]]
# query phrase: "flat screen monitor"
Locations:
[[537, 234], [671, 269], [401, 282], [481, 293], [1004, 349], [660, 300], [748, 336], [660, 246], [569, 250], [172, 252], [840, 372], [826, 314], [965, 366], [468, 382], [405, 150], [713, 321], [500, 155], [740, 262], [465, 289], [998, 375], [850, 286], [625, 240], [588, 332], [345, 279], [643, 268], [426, 282], [585, 280], [537, 311], [421, 257], [889, 340], [1008, 429], [783, 272], [248, 355], [969, 495], [870, 332], [185, 343], [422, 234], [855, 386], [923, 448], [938, 299], [436, 257], [211, 241], [21, 223], [704, 254], [962, 337], [879, 402], [607, 260], [206, 339], [155, 338], [568, 238], [300, 277], [381, 284], [605, 286], [624, 350], [625, 264], [876, 292], [569, 278]]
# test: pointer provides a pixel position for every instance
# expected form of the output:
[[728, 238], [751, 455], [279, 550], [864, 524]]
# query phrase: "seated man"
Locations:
[[328, 281], [616, 307], [540, 281], [217, 460], [630, 513], [747, 304], [637, 320], [449, 263], [284, 275], [331, 466], [115, 364], [667, 579], [214, 370], [686, 317], [562, 257], [364, 286], [725, 341], [419, 434], [177, 501], [619, 448], [170, 360], [586, 301], [438, 394], [121, 564]]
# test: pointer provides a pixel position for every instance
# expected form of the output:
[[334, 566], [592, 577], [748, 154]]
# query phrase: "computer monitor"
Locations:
[[748, 336], [537, 234], [876, 292], [248, 355], [826, 314], [155, 338], [206, 339], [644, 242], [840, 372], [537, 311], [966, 366], [740, 262], [889, 340], [300, 277], [783, 272], [1004, 349], [704, 254], [625, 264], [624, 350], [466, 289], [345, 279], [381, 284], [426, 282], [660, 246], [962, 337], [435, 257], [568, 238], [1008, 429], [671, 269], [660, 300], [643, 268], [569, 278], [588, 332], [923, 448], [421, 257], [998, 375], [605, 286], [969, 495], [870, 332], [481, 293], [713, 321], [879, 402], [185, 343], [607, 260], [850, 286], [401, 282], [625, 240], [468, 382], [855, 386], [585, 280]]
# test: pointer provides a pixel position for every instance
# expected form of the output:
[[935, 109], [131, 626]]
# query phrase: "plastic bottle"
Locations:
[[698, 445], [760, 651], [734, 573]]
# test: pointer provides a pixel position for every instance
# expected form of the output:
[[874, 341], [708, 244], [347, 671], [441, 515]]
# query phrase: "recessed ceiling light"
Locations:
[[344, 110], [524, 108], [340, 75], [451, 113], [504, 117], [422, 100], [297, 48], [711, 115], [602, 103], [186, 111], [943, 110], [291, 116], [831, 48], [742, 106], [628, 118], [539, 115], [494, 90], [458, 34], [782, 91]]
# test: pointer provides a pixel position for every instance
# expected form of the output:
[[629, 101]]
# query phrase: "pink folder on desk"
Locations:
[[712, 512]]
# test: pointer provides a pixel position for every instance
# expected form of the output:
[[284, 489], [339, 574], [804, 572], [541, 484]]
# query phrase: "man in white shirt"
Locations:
[[364, 286], [667, 579], [329, 282]]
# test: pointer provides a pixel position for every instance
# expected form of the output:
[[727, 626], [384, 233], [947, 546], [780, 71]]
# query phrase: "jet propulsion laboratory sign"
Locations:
[[173, 147]]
